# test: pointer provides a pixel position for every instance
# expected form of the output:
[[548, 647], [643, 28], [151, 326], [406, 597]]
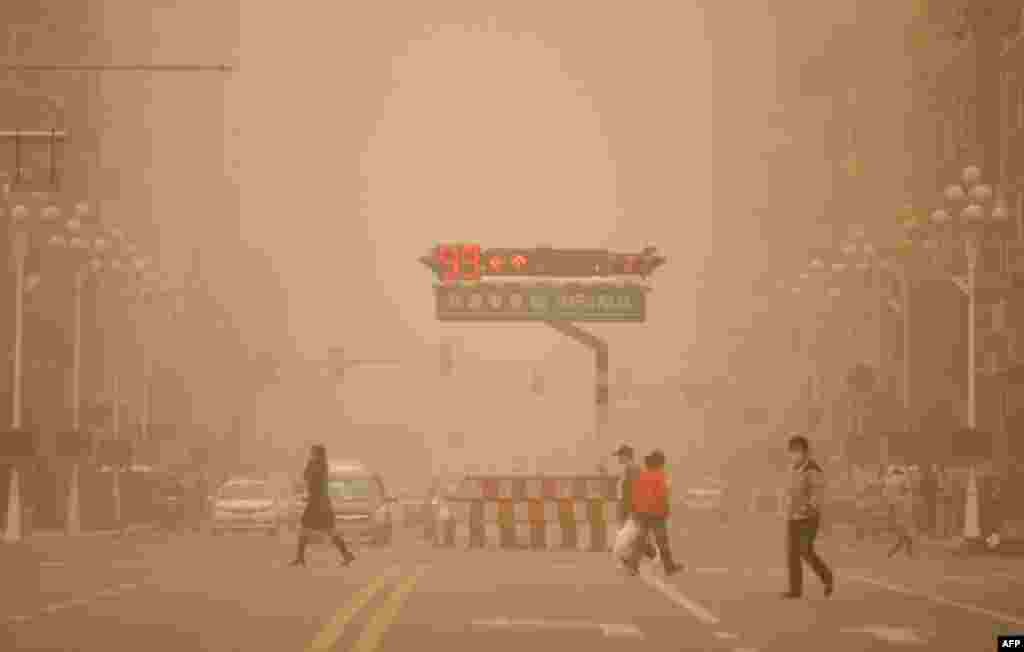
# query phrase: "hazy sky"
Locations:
[[372, 134]]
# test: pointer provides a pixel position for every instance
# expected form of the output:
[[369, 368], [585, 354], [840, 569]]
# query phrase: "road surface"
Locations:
[[197, 592]]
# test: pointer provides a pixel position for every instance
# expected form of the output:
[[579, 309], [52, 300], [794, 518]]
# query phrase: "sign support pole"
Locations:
[[600, 349]]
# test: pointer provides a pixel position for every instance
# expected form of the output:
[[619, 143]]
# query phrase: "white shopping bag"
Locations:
[[625, 540]]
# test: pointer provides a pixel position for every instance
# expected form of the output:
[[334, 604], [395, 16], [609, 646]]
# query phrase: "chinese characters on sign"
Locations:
[[569, 303]]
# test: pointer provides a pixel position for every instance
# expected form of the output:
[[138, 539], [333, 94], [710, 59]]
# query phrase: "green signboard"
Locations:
[[580, 303]]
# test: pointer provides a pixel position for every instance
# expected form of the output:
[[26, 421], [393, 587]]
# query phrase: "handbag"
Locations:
[[625, 540]]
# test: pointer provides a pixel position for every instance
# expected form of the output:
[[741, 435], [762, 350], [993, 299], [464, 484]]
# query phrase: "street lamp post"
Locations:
[[94, 252], [22, 234], [75, 241], [21, 240], [83, 250], [20, 251], [976, 217], [861, 261]]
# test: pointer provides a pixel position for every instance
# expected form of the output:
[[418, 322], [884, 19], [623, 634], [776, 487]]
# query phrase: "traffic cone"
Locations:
[[73, 523], [12, 533], [972, 511]]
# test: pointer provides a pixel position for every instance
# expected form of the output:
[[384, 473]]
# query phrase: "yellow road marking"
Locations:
[[330, 634], [382, 619]]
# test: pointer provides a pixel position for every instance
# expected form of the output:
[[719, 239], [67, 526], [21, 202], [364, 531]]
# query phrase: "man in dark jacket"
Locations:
[[630, 472], [805, 496]]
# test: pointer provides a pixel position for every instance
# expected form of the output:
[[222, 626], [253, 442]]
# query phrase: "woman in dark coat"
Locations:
[[319, 513]]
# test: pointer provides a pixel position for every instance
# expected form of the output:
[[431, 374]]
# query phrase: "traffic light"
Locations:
[[642, 264], [470, 262]]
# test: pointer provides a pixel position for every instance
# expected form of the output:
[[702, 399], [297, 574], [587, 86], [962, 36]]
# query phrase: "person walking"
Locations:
[[650, 512], [804, 498], [630, 472], [900, 498], [318, 516]]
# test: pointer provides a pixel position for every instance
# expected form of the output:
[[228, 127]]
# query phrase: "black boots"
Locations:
[[300, 554], [346, 556]]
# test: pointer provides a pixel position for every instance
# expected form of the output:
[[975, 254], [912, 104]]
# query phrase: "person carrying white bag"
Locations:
[[625, 541], [630, 472], [650, 514]]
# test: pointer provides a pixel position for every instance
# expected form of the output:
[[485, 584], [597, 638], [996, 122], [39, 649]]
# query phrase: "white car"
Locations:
[[247, 505]]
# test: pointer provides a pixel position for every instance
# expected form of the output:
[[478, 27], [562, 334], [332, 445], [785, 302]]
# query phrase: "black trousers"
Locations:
[[647, 525], [800, 538]]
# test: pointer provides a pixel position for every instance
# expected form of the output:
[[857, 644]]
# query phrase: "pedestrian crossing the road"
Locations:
[[409, 595]]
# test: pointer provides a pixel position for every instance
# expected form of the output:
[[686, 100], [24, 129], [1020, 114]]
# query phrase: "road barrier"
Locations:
[[577, 512]]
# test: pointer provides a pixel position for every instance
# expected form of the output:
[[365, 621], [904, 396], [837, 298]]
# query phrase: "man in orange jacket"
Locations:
[[650, 511], [630, 472]]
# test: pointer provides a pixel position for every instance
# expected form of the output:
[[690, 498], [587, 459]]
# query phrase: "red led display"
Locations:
[[468, 262], [459, 262]]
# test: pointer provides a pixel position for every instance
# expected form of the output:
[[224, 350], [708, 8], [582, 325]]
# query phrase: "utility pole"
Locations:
[[600, 349]]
